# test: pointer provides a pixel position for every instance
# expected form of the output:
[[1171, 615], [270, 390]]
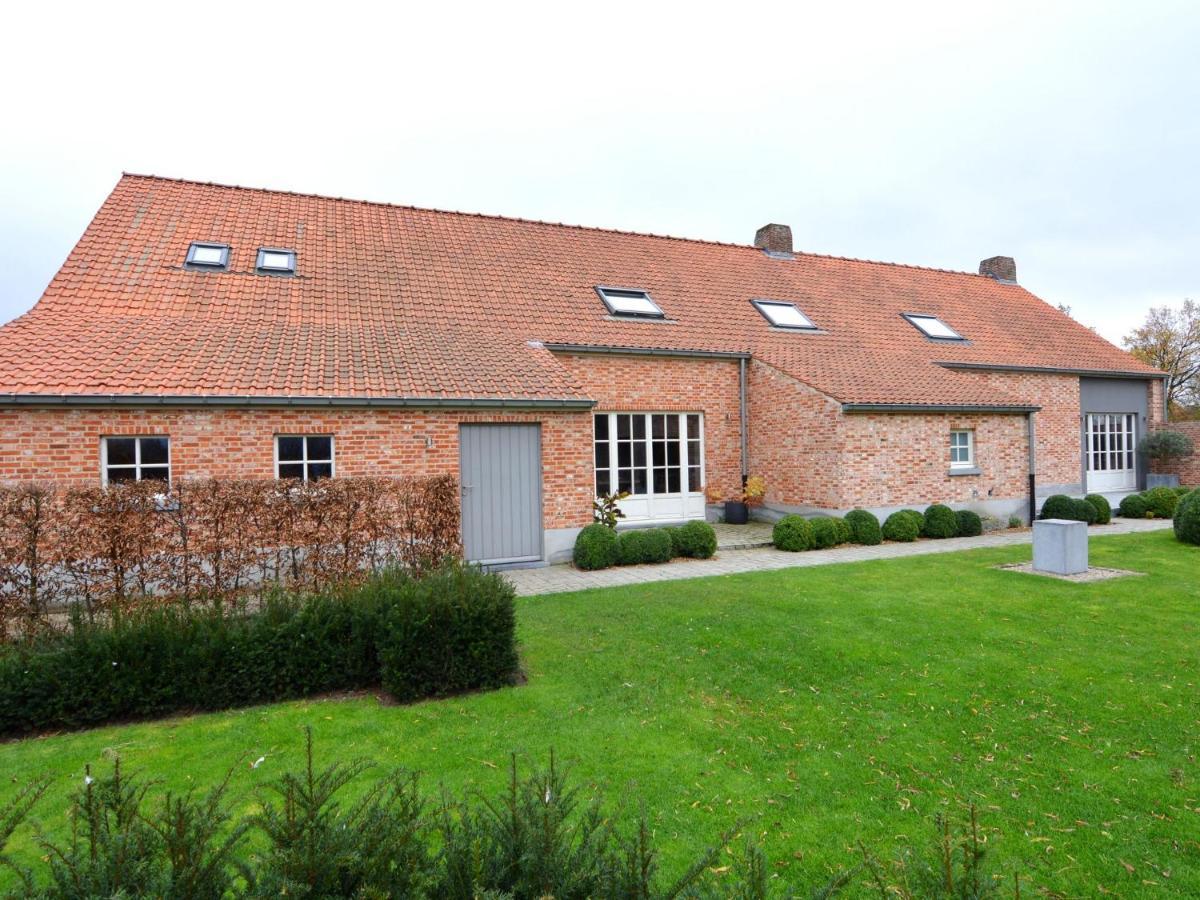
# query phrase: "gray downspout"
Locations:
[[742, 420], [1032, 469]]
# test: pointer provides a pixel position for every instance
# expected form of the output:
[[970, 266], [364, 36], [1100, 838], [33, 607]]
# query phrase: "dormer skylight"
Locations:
[[207, 256], [933, 327], [782, 314], [625, 302], [276, 262]]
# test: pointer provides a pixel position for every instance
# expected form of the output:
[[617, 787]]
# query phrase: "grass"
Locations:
[[826, 705]]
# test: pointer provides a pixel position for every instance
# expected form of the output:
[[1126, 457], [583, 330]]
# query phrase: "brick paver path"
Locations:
[[556, 579]]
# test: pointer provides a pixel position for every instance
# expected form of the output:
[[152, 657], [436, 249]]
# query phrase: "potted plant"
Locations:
[[737, 512], [1162, 447]]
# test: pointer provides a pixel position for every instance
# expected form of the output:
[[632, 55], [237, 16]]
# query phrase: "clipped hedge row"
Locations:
[[1156, 503], [598, 547], [796, 533], [449, 631]]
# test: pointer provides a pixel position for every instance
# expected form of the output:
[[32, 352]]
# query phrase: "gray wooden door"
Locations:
[[501, 472]]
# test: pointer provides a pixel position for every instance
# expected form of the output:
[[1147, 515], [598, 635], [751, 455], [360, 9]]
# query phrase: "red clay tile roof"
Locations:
[[396, 302]]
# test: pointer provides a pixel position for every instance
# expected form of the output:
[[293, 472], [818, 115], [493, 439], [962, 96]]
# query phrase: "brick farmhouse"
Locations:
[[199, 330]]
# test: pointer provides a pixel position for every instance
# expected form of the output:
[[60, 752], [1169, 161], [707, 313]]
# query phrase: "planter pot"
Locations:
[[736, 512], [1153, 481]]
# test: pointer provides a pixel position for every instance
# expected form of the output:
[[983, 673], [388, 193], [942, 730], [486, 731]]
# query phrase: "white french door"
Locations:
[[656, 458], [1111, 456]]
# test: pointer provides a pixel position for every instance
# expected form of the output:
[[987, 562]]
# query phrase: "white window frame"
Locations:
[[137, 465], [304, 460], [612, 296], [1112, 448], [673, 505], [969, 462]]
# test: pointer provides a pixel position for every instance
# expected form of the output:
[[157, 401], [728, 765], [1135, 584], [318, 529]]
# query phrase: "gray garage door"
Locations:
[[501, 470]]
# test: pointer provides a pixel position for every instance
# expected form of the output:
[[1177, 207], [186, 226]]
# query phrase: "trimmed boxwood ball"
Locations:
[[825, 533], [792, 533], [1058, 506], [1161, 501], [969, 523], [940, 522], [1187, 518], [672, 532], [1182, 491], [1083, 512], [595, 547], [1133, 507], [1102, 507], [864, 527], [696, 540], [843, 530], [902, 526], [644, 545]]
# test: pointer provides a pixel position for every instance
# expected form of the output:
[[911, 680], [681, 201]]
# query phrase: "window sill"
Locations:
[[972, 470]]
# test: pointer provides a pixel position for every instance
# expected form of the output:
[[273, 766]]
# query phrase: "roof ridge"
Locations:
[[544, 222]]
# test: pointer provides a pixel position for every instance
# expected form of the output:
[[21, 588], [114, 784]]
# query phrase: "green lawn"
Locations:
[[829, 705]]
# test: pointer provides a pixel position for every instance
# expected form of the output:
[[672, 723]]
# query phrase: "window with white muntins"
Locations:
[[135, 458], [306, 457], [962, 448], [656, 458]]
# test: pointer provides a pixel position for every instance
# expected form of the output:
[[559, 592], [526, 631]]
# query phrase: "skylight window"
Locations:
[[208, 256], [622, 302], [784, 315], [276, 262], [933, 327]]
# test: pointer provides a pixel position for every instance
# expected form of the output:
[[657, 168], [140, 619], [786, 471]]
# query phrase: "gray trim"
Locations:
[[135, 400], [190, 262], [1056, 370], [910, 316], [974, 470], [643, 351], [603, 290], [743, 423], [760, 302], [932, 407], [260, 269]]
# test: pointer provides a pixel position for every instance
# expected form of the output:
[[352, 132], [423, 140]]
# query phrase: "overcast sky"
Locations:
[[1065, 135]]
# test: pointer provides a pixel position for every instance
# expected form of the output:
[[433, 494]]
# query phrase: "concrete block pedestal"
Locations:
[[1060, 546]]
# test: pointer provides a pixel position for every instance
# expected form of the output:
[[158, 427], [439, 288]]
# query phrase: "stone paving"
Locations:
[[556, 579]]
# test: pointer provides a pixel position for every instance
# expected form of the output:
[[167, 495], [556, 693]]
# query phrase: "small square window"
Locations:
[[962, 448], [624, 302], [933, 327], [276, 262], [784, 315], [306, 457], [135, 459], [208, 256]]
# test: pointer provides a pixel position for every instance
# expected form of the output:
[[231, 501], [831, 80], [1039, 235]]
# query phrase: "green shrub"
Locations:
[[1182, 491], [864, 527], [1016, 522], [1102, 506], [990, 523], [792, 533], [696, 540], [1161, 502], [969, 523], [449, 632], [1083, 511], [1133, 507], [643, 545], [672, 532], [901, 526], [825, 532], [1186, 522], [163, 660], [843, 530], [939, 522], [595, 547], [1058, 506]]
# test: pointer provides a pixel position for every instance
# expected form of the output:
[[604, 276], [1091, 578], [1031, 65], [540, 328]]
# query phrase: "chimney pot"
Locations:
[[1002, 268], [774, 239]]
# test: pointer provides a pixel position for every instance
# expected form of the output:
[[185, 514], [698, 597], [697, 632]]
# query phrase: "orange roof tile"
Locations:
[[397, 302]]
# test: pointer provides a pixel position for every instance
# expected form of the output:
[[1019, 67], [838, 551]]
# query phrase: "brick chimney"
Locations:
[[775, 239], [1002, 268]]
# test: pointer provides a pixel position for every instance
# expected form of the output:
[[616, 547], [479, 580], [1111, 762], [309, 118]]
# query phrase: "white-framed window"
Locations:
[[307, 457], [782, 314], [626, 302], [933, 327], [649, 454], [962, 448], [135, 458]]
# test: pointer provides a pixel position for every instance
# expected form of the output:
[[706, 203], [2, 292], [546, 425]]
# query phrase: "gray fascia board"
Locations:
[[1053, 370], [176, 400], [644, 351], [934, 407]]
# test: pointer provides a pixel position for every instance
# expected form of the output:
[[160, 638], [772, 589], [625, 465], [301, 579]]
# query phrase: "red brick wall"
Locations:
[[1187, 469], [64, 445], [672, 384], [902, 459], [795, 441]]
